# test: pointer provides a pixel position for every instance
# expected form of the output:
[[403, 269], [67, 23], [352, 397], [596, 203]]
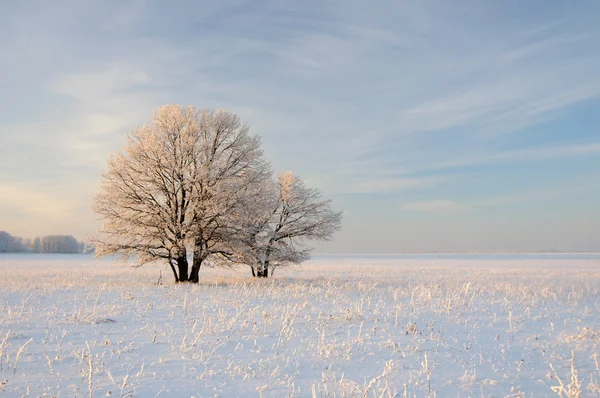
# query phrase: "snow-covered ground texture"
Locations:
[[403, 326]]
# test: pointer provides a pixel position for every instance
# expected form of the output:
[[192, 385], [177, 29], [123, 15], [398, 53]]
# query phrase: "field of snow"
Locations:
[[404, 326]]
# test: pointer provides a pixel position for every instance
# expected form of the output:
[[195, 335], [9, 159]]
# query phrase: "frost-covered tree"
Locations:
[[37, 245], [11, 244], [229, 165], [59, 244], [285, 215], [145, 194], [5, 241], [174, 189]]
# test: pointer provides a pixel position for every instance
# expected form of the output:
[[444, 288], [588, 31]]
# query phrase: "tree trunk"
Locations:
[[199, 257], [253, 272], [265, 265], [196, 264], [173, 269], [182, 265], [262, 270]]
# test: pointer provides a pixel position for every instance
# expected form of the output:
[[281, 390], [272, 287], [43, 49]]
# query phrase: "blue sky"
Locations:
[[434, 125]]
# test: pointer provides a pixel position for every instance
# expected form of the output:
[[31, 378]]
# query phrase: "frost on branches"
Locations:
[[287, 214], [192, 186]]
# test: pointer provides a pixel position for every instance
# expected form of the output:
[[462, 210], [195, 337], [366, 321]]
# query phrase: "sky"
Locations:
[[434, 125]]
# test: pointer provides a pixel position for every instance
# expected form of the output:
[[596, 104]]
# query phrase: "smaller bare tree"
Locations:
[[283, 216]]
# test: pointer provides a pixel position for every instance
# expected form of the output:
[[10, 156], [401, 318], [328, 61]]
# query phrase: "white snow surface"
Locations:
[[364, 326]]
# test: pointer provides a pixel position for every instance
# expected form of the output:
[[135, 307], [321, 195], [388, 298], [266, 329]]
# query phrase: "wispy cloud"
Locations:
[[28, 211], [547, 152], [37, 204], [516, 155], [375, 185], [438, 207]]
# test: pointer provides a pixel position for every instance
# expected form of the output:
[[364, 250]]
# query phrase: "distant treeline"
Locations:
[[43, 244]]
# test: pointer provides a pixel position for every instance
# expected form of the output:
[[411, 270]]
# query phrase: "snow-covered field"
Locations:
[[414, 326]]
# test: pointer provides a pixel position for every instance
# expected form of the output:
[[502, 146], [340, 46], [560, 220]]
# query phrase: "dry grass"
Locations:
[[336, 328]]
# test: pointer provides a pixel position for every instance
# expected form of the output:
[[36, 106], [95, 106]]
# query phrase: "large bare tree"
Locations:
[[174, 188]]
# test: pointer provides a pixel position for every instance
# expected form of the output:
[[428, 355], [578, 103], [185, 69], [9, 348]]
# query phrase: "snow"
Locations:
[[414, 325]]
